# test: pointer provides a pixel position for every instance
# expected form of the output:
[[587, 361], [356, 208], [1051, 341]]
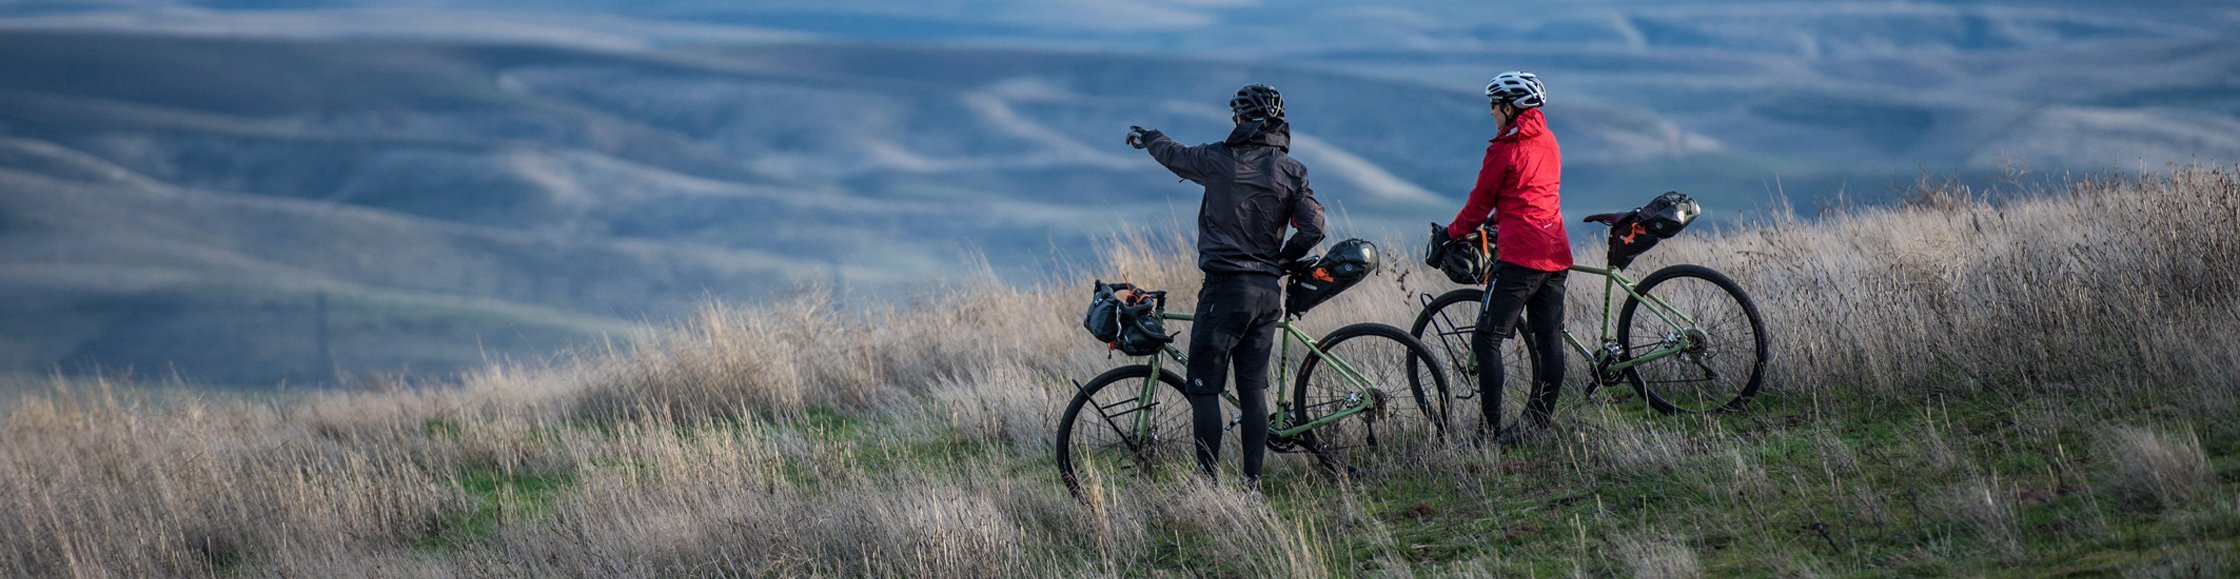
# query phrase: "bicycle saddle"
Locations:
[[1606, 218]]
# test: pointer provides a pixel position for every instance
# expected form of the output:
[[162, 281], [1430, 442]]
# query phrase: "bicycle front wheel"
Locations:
[[1124, 423], [1445, 326], [1365, 369], [1721, 357]]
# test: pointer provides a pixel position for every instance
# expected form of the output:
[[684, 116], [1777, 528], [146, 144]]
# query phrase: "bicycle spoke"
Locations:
[[1101, 432], [1717, 367], [1395, 416]]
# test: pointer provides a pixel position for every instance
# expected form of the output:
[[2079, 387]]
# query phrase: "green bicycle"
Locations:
[[1687, 339], [1355, 396]]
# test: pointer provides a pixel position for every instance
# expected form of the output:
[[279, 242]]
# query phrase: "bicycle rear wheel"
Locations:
[[1445, 326], [1101, 433], [1396, 376], [1723, 362]]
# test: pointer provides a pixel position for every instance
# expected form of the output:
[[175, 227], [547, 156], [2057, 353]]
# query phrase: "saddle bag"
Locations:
[[1638, 230]]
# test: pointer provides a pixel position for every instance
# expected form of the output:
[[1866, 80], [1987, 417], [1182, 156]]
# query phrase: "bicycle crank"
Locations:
[[1276, 442], [1605, 357]]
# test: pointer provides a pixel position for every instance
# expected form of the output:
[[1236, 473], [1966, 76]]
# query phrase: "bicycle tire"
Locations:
[[1168, 442], [1342, 444], [1721, 317], [1444, 326]]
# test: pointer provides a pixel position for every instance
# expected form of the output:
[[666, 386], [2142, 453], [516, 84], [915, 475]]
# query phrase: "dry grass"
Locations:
[[2156, 470], [1656, 556], [795, 438], [1984, 508]]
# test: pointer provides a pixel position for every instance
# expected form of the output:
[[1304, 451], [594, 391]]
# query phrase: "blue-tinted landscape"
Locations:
[[250, 193]]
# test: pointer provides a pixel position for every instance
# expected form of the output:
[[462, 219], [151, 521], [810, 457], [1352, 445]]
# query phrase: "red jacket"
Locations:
[[1517, 185]]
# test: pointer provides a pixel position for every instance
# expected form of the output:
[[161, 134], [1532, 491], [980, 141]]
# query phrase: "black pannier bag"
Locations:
[[1129, 324], [1468, 260], [1346, 263], [1103, 319], [1635, 232], [1142, 333]]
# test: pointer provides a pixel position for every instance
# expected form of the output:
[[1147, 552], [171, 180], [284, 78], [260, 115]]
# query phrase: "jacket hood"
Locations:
[[1529, 124], [1270, 132]]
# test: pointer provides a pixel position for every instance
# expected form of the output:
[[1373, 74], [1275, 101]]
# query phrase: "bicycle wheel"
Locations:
[[1726, 362], [1403, 412], [1100, 433], [1445, 326]]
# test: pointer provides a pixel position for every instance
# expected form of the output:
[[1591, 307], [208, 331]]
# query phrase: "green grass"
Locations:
[[1849, 488], [495, 496]]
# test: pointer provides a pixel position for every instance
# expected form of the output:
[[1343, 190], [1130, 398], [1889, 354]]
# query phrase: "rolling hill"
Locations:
[[178, 204], [180, 182]]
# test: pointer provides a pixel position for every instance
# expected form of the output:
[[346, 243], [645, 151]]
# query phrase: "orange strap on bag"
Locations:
[[1634, 231]]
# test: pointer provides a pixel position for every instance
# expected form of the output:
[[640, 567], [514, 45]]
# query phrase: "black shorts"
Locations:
[[1517, 289], [1235, 326]]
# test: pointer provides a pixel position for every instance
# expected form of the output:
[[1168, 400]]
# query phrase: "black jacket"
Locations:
[[1253, 189]]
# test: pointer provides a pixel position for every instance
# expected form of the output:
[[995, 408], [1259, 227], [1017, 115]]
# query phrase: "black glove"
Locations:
[[1301, 265], [1138, 137], [1435, 250]]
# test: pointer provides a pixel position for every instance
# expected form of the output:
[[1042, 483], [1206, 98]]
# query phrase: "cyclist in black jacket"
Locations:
[[1253, 190]]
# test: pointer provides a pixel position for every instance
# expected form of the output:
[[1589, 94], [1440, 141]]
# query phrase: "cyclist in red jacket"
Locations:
[[1517, 192]]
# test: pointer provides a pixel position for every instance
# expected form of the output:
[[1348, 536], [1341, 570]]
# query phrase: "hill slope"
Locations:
[[566, 167], [1959, 388], [175, 204]]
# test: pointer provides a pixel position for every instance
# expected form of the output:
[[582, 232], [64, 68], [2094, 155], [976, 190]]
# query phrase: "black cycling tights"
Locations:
[[1206, 426], [1235, 326], [1539, 296]]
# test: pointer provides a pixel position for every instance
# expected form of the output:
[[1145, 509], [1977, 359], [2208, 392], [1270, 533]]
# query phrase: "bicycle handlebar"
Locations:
[[1159, 297]]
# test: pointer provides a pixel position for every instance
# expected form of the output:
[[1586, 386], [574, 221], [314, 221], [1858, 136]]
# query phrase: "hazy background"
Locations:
[[257, 191]]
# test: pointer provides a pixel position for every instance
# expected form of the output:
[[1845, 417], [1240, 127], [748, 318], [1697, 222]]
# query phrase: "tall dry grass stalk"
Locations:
[[797, 438], [1656, 556], [2108, 277], [2156, 470]]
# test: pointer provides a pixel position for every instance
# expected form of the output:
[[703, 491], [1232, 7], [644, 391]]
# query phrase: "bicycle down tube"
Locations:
[[1611, 278], [1345, 371]]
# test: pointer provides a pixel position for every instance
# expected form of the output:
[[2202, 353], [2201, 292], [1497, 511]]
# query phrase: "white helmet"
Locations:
[[1518, 88]]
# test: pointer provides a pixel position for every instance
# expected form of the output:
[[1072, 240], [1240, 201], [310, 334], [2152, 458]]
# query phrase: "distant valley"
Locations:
[[268, 205]]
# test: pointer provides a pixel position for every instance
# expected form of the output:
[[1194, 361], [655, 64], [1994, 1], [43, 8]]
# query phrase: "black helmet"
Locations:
[[1256, 102], [1351, 259]]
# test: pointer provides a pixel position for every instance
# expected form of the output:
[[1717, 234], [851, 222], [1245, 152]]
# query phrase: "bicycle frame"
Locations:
[[1284, 416], [1614, 279]]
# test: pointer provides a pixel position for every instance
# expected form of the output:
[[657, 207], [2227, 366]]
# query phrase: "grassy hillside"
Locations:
[[2035, 386]]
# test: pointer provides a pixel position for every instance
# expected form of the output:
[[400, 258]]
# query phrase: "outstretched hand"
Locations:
[[1138, 137]]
